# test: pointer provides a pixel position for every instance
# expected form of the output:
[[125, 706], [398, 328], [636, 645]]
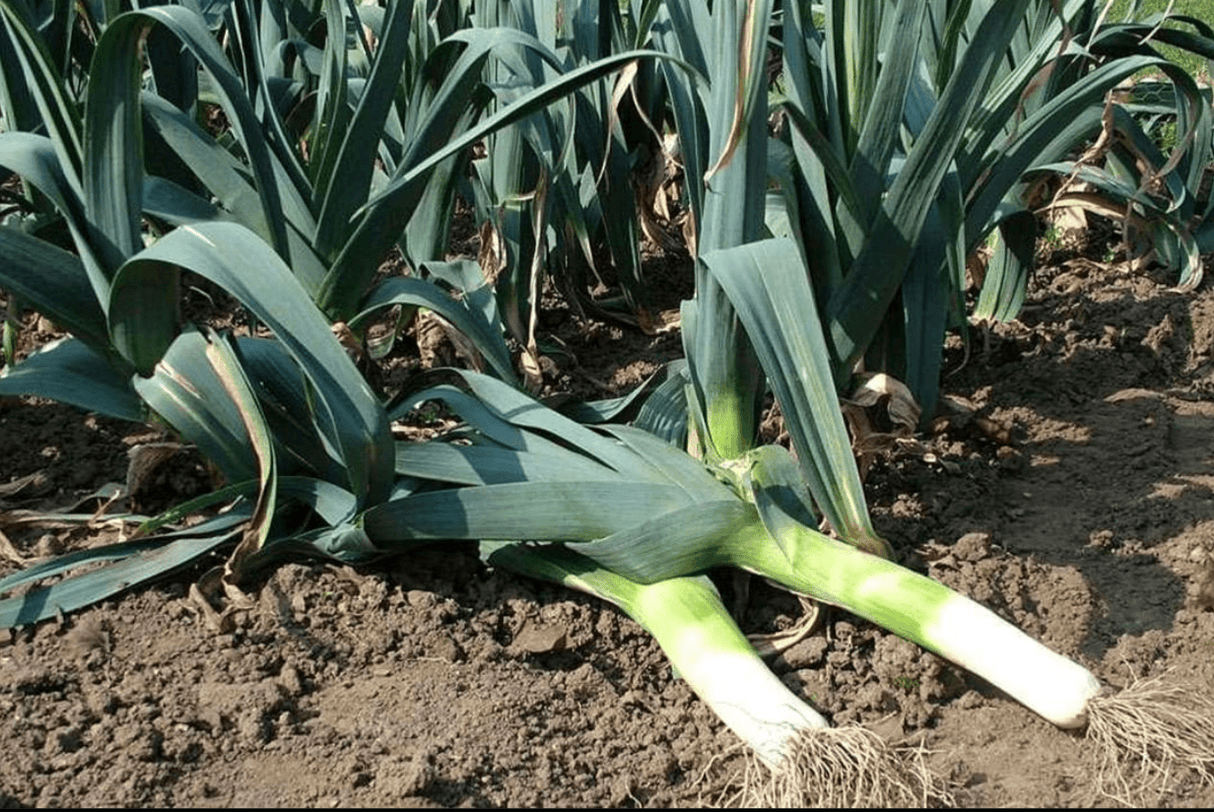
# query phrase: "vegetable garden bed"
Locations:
[[1090, 526], [366, 414]]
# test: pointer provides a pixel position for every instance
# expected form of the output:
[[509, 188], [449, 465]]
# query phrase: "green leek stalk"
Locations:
[[811, 764], [728, 380], [928, 613]]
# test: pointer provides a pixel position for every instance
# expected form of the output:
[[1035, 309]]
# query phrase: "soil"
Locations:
[[1066, 485]]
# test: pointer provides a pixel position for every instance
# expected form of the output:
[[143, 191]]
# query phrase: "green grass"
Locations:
[[1201, 9]]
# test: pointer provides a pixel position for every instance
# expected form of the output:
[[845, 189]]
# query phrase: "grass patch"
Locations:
[[1201, 9]]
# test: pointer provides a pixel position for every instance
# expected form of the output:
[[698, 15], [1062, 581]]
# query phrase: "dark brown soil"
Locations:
[[1071, 493]]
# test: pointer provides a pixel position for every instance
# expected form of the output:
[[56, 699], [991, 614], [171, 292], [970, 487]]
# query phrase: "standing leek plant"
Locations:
[[1157, 197], [554, 197], [64, 43], [363, 171], [1150, 168], [351, 130], [302, 442], [909, 129]]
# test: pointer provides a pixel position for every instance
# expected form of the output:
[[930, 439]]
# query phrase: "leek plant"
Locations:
[[619, 514], [1158, 193], [656, 519], [332, 218], [339, 151], [845, 767], [873, 149], [909, 129], [293, 428], [1156, 197], [554, 197], [719, 109]]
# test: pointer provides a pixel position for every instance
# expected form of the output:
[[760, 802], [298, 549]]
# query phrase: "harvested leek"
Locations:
[[1142, 736], [632, 518], [812, 763]]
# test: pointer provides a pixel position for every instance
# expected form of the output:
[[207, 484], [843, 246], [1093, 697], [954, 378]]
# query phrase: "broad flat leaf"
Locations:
[[185, 390], [523, 411], [33, 157], [855, 308], [165, 200], [332, 503], [344, 182], [132, 564], [223, 360], [1045, 136], [767, 284], [331, 116], [611, 410], [16, 99], [113, 142], [72, 372], [1006, 281], [59, 113], [485, 336], [664, 413], [686, 541], [113, 184], [539, 460], [143, 311], [223, 175], [286, 404], [539, 511], [675, 465], [54, 282], [880, 127], [347, 411]]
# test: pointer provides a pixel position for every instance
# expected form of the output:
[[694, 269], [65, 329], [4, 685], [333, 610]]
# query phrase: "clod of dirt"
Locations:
[[972, 546], [538, 638], [1203, 592]]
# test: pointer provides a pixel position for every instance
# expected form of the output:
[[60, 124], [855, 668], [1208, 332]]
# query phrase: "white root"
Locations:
[[843, 767], [1147, 735]]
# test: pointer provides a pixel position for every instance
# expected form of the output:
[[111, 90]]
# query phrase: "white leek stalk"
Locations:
[[688, 620], [809, 763]]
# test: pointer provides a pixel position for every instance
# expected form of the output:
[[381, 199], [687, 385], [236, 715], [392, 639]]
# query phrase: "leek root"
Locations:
[[844, 767], [1147, 733]]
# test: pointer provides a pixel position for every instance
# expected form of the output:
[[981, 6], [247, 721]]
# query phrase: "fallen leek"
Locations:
[[630, 519], [1141, 736], [812, 764]]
